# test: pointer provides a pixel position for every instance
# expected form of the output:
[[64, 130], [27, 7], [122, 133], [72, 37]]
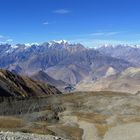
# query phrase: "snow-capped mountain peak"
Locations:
[[61, 41], [14, 46]]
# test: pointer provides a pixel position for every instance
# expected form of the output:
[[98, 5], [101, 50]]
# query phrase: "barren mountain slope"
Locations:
[[44, 77], [86, 63], [127, 81], [14, 85], [125, 52]]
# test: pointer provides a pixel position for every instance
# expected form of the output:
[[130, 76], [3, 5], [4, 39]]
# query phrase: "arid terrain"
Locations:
[[70, 93], [127, 81], [76, 116], [69, 69]]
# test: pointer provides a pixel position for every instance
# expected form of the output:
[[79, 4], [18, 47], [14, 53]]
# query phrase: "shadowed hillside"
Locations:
[[44, 77], [15, 85]]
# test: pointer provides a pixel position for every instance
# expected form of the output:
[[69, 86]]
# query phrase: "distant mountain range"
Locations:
[[125, 52], [127, 81], [70, 63]]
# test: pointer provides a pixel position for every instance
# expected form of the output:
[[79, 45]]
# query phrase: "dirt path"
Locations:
[[124, 132], [89, 131]]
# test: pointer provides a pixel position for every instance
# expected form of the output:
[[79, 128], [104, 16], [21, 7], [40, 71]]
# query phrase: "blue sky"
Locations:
[[91, 22]]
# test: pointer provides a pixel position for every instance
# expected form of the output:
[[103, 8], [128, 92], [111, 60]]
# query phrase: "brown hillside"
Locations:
[[14, 85]]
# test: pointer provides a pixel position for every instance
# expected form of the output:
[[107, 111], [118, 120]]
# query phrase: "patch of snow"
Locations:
[[14, 46]]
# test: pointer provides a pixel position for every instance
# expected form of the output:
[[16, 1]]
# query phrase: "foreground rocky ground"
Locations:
[[23, 136], [79, 116]]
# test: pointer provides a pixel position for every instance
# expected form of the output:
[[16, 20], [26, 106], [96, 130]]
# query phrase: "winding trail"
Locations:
[[124, 132], [90, 132], [89, 129]]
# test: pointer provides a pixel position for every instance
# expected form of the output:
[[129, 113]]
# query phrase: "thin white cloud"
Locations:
[[61, 11], [112, 33], [46, 23], [97, 34], [9, 40], [5, 39], [104, 33]]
